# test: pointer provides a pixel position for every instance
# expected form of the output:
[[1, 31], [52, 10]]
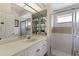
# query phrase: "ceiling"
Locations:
[[18, 10], [56, 6], [42, 6], [32, 7]]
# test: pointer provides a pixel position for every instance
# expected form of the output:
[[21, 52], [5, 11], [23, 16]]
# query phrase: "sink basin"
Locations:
[[30, 39]]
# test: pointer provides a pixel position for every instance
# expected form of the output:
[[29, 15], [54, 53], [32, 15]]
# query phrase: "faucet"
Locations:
[[29, 37], [0, 38]]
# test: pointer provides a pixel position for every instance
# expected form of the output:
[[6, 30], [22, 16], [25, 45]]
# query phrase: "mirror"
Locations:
[[25, 27], [16, 20]]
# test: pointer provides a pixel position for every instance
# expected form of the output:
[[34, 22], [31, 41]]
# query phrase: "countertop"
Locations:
[[11, 48]]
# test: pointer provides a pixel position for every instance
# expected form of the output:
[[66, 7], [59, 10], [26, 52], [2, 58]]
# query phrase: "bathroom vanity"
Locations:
[[25, 47], [15, 29]]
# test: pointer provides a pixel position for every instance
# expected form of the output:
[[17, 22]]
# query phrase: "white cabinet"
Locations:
[[34, 50], [44, 47], [38, 49]]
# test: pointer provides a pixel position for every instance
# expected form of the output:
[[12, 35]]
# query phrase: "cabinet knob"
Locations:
[[44, 45], [37, 50], [0, 38]]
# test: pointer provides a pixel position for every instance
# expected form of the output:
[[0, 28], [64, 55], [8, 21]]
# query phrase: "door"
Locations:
[[62, 31], [23, 28]]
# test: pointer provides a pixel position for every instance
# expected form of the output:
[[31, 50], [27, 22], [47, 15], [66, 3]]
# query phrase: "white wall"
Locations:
[[8, 16], [49, 26]]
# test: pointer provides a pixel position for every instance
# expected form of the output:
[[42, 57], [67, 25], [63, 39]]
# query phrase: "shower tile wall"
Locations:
[[6, 29]]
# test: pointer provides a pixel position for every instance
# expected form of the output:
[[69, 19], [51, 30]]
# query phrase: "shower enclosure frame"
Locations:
[[73, 10]]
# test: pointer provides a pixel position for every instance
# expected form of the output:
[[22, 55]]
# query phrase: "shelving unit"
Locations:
[[39, 25]]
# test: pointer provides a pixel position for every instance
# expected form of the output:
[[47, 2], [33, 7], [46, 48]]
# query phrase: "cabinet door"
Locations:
[[44, 48], [38, 49], [33, 50]]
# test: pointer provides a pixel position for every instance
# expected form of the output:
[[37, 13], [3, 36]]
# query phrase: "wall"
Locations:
[[5, 7], [49, 32], [8, 14]]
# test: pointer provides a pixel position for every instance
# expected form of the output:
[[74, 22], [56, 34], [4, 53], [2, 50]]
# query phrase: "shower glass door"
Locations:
[[62, 42]]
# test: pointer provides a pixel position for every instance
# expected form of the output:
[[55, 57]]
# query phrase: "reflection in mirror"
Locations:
[[39, 23], [26, 27], [18, 20]]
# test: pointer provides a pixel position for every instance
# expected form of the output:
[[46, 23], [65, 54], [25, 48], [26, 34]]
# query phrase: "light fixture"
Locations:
[[20, 4], [35, 6], [29, 9]]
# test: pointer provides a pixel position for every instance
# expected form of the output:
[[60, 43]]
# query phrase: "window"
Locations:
[[64, 18]]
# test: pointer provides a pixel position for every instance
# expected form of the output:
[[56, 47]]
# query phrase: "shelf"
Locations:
[[39, 25]]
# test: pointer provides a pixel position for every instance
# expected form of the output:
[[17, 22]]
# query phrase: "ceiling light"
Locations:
[[20, 4], [29, 9], [35, 6]]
